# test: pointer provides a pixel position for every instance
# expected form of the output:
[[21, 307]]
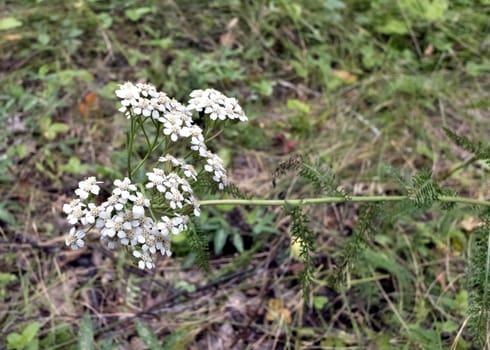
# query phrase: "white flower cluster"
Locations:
[[217, 105], [122, 220], [127, 217], [144, 100]]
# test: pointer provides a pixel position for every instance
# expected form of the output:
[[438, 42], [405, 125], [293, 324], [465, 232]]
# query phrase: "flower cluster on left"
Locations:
[[128, 217], [121, 220]]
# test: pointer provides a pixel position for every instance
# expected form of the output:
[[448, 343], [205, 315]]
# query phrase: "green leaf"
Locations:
[[30, 332], [26, 340], [219, 241], [393, 26], [136, 14], [43, 38], [299, 106], [178, 340], [86, 336], [6, 216], [14, 341], [238, 242], [6, 278], [9, 23], [74, 166], [147, 335], [320, 301]]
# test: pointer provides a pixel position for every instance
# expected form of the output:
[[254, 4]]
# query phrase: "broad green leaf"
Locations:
[[178, 340], [14, 341], [136, 14], [299, 106], [9, 23], [86, 336], [6, 278], [74, 166], [26, 340], [320, 301], [429, 10], [147, 335], [6, 216], [185, 286], [30, 332], [393, 26], [238, 242], [219, 241]]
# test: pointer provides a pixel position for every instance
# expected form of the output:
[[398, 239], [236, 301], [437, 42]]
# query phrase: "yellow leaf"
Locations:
[[345, 76], [277, 312]]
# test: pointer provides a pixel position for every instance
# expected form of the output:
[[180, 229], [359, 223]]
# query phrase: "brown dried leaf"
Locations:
[[277, 312]]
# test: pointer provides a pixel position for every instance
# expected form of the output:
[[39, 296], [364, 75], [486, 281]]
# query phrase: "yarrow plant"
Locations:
[[144, 216], [158, 198]]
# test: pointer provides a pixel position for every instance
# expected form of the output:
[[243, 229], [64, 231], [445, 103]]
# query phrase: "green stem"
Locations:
[[458, 167], [324, 200], [130, 146], [150, 150], [141, 124]]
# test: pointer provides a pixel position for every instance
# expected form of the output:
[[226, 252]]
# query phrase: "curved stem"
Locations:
[[324, 200], [458, 167], [142, 126], [151, 148]]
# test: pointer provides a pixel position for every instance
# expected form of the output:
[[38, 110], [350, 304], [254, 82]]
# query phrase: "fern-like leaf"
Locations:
[[199, 245], [354, 249], [302, 234], [465, 143], [323, 179], [235, 192], [423, 191], [478, 282], [292, 163]]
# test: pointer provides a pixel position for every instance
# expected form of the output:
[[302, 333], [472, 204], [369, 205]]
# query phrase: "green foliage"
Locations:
[[357, 243], [478, 281], [423, 191], [408, 56], [294, 162], [302, 234], [27, 340], [235, 192], [476, 148], [147, 335], [323, 178], [86, 333], [199, 245]]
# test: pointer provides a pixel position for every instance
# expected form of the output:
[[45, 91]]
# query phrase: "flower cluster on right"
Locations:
[[131, 215]]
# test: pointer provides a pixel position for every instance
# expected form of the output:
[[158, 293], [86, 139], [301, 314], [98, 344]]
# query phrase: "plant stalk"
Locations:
[[324, 200]]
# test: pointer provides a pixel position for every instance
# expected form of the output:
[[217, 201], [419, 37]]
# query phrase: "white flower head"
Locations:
[[91, 214], [88, 186], [123, 189], [75, 210], [75, 239], [139, 204], [214, 164], [216, 105], [145, 260]]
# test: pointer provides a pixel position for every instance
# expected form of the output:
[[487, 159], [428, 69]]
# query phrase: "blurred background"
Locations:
[[353, 85]]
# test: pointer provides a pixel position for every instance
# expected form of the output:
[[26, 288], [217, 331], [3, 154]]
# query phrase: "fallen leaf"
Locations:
[[88, 103], [470, 223], [232, 24], [344, 75], [12, 37], [277, 312], [429, 50], [227, 39]]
